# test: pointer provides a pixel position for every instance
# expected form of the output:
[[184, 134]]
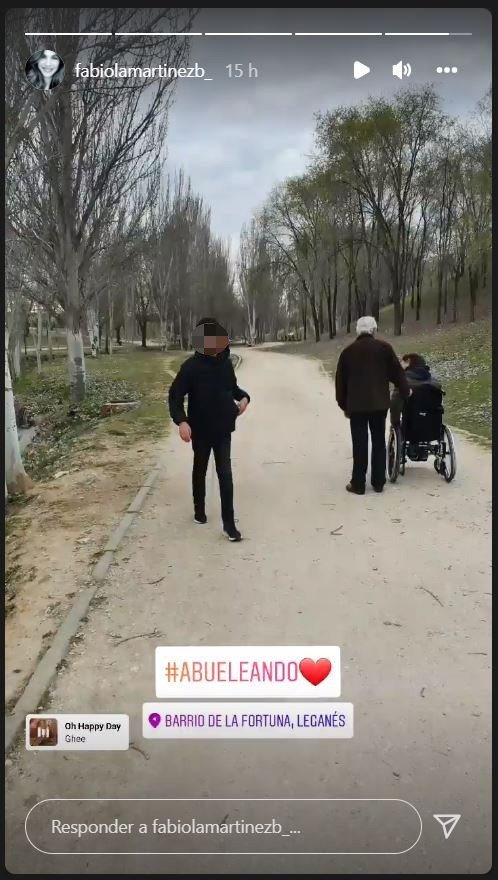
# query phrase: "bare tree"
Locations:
[[96, 143]]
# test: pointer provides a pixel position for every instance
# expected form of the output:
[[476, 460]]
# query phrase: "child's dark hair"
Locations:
[[415, 360], [212, 327]]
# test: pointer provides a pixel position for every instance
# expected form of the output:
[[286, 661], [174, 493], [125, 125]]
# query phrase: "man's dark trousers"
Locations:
[[360, 423], [221, 447]]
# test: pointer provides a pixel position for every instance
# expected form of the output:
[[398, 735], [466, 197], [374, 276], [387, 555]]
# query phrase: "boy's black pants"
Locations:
[[221, 447], [360, 423]]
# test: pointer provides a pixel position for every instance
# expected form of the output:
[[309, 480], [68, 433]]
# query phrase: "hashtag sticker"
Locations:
[[248, 672]]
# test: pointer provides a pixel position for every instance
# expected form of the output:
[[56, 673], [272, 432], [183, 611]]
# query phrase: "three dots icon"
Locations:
[[446, 69]]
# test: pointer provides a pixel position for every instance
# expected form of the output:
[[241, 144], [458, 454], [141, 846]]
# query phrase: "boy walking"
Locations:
[[214, 402]]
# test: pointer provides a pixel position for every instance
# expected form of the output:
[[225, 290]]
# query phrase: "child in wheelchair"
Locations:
[[417, 428], [421, 382]]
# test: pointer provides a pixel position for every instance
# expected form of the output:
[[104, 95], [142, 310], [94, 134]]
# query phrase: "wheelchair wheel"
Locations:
[[393, 453], [448, 463]]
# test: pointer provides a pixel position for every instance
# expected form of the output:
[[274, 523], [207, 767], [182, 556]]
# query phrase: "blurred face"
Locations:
[[48, 64], [207, 342], [405, 364]]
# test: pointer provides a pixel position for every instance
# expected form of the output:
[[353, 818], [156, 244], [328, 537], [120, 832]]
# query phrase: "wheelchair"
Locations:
[[420, 434]]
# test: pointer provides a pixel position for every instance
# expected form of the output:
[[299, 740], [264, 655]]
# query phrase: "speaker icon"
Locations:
[[401, 69]]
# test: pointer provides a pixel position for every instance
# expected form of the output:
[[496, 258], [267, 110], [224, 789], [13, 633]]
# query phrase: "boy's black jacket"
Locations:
[[211, 386]]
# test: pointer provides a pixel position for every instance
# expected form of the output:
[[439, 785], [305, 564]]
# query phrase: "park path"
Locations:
[[401, 581]]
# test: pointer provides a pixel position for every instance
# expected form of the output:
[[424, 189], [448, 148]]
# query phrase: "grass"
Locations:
[[462, 361], [129, 374], [145, 373]]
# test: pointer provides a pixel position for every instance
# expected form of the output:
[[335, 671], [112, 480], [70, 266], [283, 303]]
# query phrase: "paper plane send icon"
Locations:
[[447, 821], [360, 69]]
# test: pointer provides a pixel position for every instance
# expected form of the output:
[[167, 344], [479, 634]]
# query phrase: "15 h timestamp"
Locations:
[[235, 71]]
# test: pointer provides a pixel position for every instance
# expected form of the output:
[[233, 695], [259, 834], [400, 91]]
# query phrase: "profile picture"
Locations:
[[43, 731], [44, 69]]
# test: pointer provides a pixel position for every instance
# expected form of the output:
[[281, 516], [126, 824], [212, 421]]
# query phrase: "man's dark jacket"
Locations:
[[419, 379], [364, 371], [212, 390]]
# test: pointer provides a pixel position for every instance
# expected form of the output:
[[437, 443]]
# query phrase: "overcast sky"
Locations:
[[237, 138]]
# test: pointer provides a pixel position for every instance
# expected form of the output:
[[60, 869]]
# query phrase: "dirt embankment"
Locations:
[[56, 536]]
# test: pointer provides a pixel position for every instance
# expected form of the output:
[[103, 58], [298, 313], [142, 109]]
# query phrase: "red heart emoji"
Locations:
[[315, 671]]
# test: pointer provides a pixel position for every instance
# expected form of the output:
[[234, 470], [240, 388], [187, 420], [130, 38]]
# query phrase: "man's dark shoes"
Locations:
[[354, 490], [231, 532], [200, 517], [378, 488]]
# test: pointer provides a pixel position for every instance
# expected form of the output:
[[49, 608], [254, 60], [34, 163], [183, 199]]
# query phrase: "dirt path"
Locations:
[[401, 581]]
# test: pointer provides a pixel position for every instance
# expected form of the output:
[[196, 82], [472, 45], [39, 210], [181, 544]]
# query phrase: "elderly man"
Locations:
[[364, 371]]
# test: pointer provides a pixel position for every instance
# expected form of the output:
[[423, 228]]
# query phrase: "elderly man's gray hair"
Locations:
[[367, 324]]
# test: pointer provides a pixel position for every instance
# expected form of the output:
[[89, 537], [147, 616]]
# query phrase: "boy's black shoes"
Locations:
[[200, 518], [354, 490], [231, 532]]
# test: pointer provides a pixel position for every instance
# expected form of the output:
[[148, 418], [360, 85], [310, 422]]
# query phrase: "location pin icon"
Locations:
[[154, 719]]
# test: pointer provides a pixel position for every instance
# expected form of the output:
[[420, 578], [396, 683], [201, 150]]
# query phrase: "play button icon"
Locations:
[[360, 69]]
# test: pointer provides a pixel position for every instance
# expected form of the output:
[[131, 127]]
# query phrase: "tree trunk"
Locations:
[[398, 323], [16, 358], [143, 328], [39, 342], [375, 304], [321, 320], [118, 335], [418, 288], [377, 283], [484, 270], [329, 310], [456, 279], [76, 363], [163, 334], [16, 478], [439, 294], [49, 338], [418, 305], [360, 308], [348, 317], [316, 323], [110, 312], [93, 330], [334, 303], [251, 321], [473, 276]]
